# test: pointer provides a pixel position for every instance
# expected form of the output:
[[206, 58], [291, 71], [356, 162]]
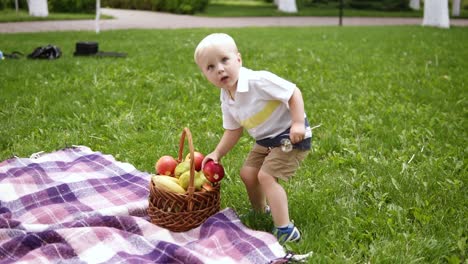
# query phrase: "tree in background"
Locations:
[[456, 7], [415, 4], [288, 6], [38, 8], [436, 13]]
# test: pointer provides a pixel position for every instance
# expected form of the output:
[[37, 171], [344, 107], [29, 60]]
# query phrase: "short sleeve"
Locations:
[[275, 87]]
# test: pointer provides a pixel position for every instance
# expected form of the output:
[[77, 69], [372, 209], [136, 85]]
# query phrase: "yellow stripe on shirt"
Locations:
[[261, 116]]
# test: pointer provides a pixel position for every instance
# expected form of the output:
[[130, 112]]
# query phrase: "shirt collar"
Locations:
[[243, 81]]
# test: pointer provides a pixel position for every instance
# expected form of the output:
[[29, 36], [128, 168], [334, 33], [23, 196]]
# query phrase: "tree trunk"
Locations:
[[38, 8], [98, 14], [456, 7], [436, 13], [288, 6], [415, 4]]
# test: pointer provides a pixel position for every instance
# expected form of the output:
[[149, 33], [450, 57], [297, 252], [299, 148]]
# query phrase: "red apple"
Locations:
[[166, 165], [214, 172], [207, 187], [198, 157]]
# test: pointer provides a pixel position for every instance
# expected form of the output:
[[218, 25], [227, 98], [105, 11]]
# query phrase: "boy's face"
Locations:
[[221, 66]]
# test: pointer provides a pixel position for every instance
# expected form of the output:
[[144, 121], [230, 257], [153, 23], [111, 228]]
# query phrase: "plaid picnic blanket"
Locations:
[[80, 206]]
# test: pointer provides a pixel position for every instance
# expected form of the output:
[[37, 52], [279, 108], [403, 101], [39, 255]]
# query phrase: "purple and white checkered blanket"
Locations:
[[80, 206]]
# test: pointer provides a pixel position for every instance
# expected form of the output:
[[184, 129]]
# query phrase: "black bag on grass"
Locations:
[[47, 52], [91, 48], [86, 48]]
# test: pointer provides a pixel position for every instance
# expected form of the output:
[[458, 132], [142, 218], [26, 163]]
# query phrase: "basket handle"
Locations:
[[190, 189]]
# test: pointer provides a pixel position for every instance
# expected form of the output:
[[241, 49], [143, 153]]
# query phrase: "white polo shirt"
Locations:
[[260, 105]]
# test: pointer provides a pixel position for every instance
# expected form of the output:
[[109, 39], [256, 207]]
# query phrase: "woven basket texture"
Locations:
[[182, 212]]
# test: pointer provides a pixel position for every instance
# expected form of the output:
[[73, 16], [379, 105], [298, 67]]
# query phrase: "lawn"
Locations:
[[10, 15], [222, 8], [386, 181], [243, 8]]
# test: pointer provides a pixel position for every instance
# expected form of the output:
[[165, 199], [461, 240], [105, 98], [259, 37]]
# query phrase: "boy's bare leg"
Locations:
[[249, 176], [276, 197]]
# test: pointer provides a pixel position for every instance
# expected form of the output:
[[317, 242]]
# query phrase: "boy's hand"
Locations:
[[212, 156], [297, 132]]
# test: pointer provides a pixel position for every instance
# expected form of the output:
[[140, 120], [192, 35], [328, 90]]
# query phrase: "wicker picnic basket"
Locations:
[[182, 212]]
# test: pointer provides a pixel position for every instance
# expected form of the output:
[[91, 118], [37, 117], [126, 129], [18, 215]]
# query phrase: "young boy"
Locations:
[[270, 109]]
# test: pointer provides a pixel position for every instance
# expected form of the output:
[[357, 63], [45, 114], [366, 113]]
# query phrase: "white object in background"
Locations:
[[288, 6], [38, 8], [415, 4], [98, 14], [436, 13], [456, 7]]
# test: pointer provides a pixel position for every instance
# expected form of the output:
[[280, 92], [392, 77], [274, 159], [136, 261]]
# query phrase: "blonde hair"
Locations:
[[214, 39]]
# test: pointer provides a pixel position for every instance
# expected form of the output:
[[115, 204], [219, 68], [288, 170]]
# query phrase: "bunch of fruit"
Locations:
[[175, 177]]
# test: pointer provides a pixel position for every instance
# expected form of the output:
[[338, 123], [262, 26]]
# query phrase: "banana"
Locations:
[[164, 183], [167, 177]]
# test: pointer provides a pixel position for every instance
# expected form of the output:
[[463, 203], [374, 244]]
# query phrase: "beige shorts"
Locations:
[[274, 161]]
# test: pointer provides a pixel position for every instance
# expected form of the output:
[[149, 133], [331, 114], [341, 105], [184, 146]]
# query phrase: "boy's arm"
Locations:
[[227, 142], [296, 107]]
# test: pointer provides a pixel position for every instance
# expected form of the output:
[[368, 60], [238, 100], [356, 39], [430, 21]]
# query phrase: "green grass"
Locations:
[[244, 9], [247, 8], [387, 179], [10, 15]]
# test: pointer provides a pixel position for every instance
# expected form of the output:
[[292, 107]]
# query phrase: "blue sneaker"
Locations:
[[287, 234]]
